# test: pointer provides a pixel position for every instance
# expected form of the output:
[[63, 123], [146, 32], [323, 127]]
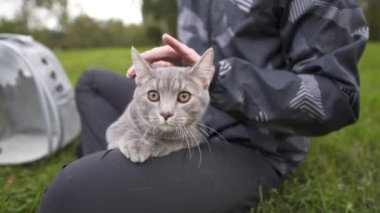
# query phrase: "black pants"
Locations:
[[228, 177]]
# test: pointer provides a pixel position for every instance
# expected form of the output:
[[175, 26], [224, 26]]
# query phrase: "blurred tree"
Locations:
[[86, 32], [26, 17], [372, 11], [160, 16], [363, 4], [12, 26]]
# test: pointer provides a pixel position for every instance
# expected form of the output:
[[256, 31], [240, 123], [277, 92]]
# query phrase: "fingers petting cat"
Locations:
[[187, 55], [173, 53]]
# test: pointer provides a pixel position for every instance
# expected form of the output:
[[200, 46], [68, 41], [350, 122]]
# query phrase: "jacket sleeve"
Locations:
[[317, 90]]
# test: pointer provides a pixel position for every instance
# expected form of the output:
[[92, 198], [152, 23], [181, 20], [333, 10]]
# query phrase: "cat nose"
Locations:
[[166, 115]]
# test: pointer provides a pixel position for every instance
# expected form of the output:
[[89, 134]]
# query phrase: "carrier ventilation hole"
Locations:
[[53, 75], [44, 61], [59, 88]]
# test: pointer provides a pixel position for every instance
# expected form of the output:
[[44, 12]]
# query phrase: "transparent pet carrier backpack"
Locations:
[[38, 115]]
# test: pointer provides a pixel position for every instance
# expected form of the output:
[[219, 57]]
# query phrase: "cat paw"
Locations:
[[111, 146], [136, 153], [139, 157]]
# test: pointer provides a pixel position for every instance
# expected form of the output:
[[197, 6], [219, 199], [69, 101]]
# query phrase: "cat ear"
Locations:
[[142, 67], [202, 69]]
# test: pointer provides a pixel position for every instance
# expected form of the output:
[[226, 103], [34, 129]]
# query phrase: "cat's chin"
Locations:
[[167, 128]]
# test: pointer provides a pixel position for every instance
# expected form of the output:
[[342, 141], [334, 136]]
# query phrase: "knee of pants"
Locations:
[[86, 79], [86, 82], [85, 85]]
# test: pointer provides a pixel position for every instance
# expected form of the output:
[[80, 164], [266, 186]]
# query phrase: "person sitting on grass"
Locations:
[[283, 71]]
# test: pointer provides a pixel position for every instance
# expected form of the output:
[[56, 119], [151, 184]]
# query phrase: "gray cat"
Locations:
[[165, 112]]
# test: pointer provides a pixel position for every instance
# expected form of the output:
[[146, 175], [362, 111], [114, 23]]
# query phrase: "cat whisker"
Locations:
[[153, 134], [204, 136], [177, 133], [213, 130], [184, 135], [188, 141], [181, 120], [199, 148], [203, 131], [154, 121], [140, 121], [136, 120], [146, 131], [137, 125]]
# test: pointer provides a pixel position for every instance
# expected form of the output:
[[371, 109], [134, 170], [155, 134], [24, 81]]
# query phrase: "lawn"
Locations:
[[341, 173]]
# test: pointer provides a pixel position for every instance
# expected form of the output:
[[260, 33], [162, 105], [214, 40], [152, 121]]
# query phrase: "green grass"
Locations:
[[341, 173], [76, 61]]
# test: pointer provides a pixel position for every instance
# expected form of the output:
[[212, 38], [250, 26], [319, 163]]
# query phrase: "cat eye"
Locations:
[[153, 96], [184, 97]]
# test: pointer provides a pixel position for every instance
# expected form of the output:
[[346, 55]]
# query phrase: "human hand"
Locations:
[[173, 53]]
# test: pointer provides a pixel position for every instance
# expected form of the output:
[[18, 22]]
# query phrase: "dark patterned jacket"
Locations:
[[285, 69]]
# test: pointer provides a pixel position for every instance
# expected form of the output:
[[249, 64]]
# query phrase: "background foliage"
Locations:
[[84, 31], [158, 17], [372, 10]]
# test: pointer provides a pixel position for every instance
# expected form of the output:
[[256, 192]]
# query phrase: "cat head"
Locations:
[[172, 97]]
